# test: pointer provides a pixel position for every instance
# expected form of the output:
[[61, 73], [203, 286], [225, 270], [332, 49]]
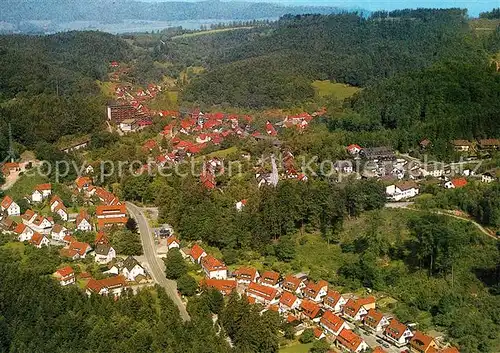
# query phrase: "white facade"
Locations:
[[63, 214], [218, 274], [13, 209], [26, 234], [59, 236], [394, 193], [84, 226], [133, 272], [337, 308], [105, 258]]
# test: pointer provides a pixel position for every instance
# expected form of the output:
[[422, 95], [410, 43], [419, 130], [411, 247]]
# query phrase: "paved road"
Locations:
[[155, 263]]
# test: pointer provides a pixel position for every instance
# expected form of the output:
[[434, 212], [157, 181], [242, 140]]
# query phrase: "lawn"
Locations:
[[25, 185], [166, 100], [212, 31], [297, 347], [328, 89]]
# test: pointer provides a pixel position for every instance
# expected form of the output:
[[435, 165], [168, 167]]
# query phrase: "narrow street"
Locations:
[[155, 264]]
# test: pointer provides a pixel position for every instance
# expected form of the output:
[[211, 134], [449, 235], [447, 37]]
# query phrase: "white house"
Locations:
[[173, 242], [42, 225], [490, 176], [41, 192], [398, 333], [245, 275], [375, 320], [240, 204], [58, 232], [356, 309], [24, 233], [333, 323], [334, 301], [112, 286], [10, 206], [83, 222], [344, 167], [354, 149], [262, 294], [104, 253], [402, 191], [316, 291], [38, 240], [289, 301], [349, 341], [65, 276], [213, 267], [131, 269]]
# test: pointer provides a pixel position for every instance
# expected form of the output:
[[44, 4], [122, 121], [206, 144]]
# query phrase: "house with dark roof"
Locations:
[[131, 269], [402, 190], [104, 253]]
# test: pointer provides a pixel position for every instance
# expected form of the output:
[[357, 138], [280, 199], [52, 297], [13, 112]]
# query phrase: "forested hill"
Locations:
[[53, 80], [346, 48], [108, 11]]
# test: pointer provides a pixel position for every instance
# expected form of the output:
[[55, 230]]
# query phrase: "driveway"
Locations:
[[156, 265]]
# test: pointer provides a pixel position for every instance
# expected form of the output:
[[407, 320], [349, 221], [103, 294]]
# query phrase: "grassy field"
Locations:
[[484, 26], [328, 89], [212, 31], [166, 100], [297, 347], [107, 88], [25, 185]]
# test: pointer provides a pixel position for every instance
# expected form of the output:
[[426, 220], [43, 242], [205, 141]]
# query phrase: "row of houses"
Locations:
[[330, 313]]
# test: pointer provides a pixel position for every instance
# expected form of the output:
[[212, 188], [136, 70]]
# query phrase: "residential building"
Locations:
[[83, 183], [490, 176], [376, 320], [333, 323], [270, 279], [310, 309], [8, 205], [262, 294], [213, 267], [104, 253], [54, 202], [348, 341], [461, 145], [316, 291], [489, 144], [41, 192], [402, 191], [345, 167], [112, 286], [108, 215], [354, 149], [24, 233], [129, 125], [65, 276], [378, 154], [83, 221], [334, 301], [38, 240], [173, 242], [29, 217], [398, 333], [319, 333], [422, 343], [197, 253], [132, 269], [245, 275], [42, 224], [293, 284], [289, 301], [225, 286], [58, 232], [456, 183], [356, 309], [82, 249], [61, 210]]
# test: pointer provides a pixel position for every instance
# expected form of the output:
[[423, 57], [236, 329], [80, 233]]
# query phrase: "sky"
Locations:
[[474, 6]]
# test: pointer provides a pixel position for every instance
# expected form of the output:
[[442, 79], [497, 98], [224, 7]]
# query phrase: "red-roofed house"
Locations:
[[316, 291], [24, 233], [293, 284], [270, 279], [61, 211], [10, 206], [334, 301], [149, 145], [83, 183], [378, 349], [245, 275], [375, 320], [54, 202], [262, 294], [289, 301], [456, 183], [225, 286], [173, 242], [197, 253], [107, 286], [398, 333], [356, 309], [354, 149], [83, 221], [213, 268], [108, 215], [349, 341], [82, 249], [38, 240], [333, 323], [310, 309], [41, 192], [65, 276], [422, 343], [270, 129], [319, 333], [58, 232]]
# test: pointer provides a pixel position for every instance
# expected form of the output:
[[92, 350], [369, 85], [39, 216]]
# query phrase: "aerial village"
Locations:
[[50, 223], [349, 322]]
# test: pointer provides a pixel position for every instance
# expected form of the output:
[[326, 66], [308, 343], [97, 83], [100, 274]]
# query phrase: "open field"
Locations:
[[25, 185], [339, 91], [212, 31], [484, 26], [297, 348]]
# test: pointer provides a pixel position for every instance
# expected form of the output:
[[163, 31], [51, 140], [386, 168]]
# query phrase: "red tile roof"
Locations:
[[96, 286], [106, 210], [210, 264], [43, 187], [349, 339], [83, 182], [421, 342], [395, 329], [222, 285], [459, 182], [288, 299], [264, 292], [332, 321], [309, 308], [196, 252], [379, 349], [103, 222], [270, 278], [20, 228], [318, 332], [7, 201], [373, 318], [81, 216], [353, 305], [171, 240], [332, 298], [65, 271], [353, 146], [80, 247], [291, 283], [312, 289], [37, 238], [245, 273]]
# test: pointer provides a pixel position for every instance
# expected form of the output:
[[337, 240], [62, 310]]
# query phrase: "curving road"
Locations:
[[155, 263]]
